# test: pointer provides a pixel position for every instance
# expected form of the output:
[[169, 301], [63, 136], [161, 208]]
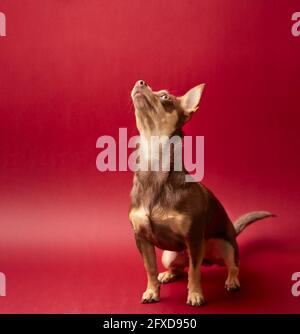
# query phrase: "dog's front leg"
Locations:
[[195, 295], [147, 251]]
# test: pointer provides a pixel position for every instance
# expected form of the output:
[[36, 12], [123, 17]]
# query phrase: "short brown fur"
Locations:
[[170, 213]]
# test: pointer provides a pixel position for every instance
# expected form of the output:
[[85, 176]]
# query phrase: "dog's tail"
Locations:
[[242, 222]]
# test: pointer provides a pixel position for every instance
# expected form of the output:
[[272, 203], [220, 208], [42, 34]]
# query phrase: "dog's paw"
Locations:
[[150, 296], [232, 284], [195, 299], [167, 277]]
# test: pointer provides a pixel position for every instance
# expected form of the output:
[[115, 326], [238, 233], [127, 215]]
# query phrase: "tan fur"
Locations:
[[178, 222], [139, 219], [195, 294]]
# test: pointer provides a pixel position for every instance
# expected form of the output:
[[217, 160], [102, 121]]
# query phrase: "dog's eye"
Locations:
[[165, 97]]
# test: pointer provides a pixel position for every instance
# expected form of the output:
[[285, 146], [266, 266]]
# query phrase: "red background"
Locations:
[[66, 71]]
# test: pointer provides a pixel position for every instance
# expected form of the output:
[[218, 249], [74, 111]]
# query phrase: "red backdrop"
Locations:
[[66, 71]]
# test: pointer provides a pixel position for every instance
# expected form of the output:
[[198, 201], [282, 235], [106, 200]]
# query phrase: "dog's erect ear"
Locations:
[[190, 100]]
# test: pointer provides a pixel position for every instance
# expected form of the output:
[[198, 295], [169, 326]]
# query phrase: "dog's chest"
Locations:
[[165, 228]]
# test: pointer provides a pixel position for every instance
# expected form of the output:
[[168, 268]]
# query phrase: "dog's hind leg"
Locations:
[[230, 258], [174, 262], [223, 252]]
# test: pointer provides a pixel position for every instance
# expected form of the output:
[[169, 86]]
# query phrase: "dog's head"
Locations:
[[161, 113]]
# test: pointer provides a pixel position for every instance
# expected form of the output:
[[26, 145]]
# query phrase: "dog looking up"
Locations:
[[184, 219]]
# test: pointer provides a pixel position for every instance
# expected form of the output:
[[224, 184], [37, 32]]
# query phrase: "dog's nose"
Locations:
[[141, 83]]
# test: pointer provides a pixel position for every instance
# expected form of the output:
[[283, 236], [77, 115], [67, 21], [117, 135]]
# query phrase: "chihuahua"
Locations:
[[184, 219]]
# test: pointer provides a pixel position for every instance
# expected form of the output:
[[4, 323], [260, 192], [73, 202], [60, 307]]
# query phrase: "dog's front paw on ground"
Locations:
[[195, 299], [232, 284], [167, 277], [150, 296]]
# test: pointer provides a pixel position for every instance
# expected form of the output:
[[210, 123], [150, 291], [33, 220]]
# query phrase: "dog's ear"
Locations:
[[190, 100]]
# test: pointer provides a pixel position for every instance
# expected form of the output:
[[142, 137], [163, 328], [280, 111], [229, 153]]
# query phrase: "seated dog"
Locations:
[[183, 218]]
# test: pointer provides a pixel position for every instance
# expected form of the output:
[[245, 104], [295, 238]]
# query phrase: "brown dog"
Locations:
[[183, 218]]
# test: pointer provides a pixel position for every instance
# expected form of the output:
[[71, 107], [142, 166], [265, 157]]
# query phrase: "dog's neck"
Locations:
[[153, 186]]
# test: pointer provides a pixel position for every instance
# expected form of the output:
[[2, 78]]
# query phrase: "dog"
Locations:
[[185, 219]]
